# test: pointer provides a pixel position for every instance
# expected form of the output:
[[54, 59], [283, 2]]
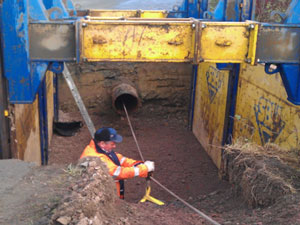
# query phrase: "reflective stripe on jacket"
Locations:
[[125, 171]]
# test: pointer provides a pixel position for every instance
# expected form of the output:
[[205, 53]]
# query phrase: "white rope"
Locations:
[[134, 137], [162, 186]]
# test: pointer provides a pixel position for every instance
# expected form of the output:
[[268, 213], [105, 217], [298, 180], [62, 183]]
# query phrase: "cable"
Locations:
[[186, 203], [162, 186], [136, 142]]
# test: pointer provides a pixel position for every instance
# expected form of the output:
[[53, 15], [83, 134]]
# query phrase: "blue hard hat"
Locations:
[[107, 134]]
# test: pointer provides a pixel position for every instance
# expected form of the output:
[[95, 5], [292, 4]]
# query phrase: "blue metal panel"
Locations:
[[230, 10], [192, 8], [192, 96], [48, 3], [14, 24], [179, 11], [55, 96], [67, 5], [23, 77], [59, 4], [293, 12], [43, 121], [219, 13], [37, 10], [203, 8], [290, 73], [70, 5], [189, 8], [247, 10], [231, 104]]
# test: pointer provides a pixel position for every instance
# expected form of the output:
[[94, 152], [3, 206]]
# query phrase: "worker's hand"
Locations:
[[150, 166]]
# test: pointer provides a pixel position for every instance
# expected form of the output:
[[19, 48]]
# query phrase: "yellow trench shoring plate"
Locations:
[[150, 198]]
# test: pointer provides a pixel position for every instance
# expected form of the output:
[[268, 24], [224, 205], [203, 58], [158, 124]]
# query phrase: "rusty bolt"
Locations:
[[251, 26], [248, 60]]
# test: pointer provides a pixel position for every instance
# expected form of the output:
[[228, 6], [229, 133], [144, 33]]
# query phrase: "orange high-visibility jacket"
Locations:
[[126, 170]]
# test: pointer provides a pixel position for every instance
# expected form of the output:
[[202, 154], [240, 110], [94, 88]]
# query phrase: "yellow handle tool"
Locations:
[[147, 196]]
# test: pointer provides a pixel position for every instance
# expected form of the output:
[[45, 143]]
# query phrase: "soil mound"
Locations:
[[260, 174], [93, 199]]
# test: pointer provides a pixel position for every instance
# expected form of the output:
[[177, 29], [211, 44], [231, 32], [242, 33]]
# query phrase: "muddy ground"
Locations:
[[47, 194], [182, 166]]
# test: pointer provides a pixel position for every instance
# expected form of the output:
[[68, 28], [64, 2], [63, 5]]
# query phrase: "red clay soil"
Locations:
[[181, 165]]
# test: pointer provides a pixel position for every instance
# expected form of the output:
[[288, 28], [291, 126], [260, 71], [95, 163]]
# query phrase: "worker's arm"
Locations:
[[128, 162], [121, 172]]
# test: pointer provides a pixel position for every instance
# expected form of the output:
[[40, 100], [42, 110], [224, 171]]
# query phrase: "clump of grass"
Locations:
[[259, 173], [73, 170]]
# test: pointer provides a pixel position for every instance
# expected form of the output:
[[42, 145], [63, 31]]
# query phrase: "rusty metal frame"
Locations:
[[192, 41]]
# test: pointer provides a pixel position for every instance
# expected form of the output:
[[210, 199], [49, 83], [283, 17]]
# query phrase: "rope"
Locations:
[[186, 203], [134, 137], [162, 186]]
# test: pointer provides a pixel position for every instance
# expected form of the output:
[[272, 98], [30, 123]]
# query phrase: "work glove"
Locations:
[[150, 166]]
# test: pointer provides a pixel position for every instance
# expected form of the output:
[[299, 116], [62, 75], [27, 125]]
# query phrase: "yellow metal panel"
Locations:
[[50, 104], [113, 13], [27, 130], [224, 42], [94, 14], [138, 41], [262, 112], [209, 109], [168, 40], [252, 44], [154, 14]]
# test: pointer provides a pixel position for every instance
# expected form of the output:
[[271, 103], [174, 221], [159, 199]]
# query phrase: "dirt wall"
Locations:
[[161, 84]]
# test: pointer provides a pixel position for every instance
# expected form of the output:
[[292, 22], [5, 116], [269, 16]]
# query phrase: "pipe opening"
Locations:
[[125, 93], [129, 101]]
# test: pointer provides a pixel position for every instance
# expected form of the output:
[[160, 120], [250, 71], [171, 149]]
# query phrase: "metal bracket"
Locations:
[[57, 67], [270, 70]]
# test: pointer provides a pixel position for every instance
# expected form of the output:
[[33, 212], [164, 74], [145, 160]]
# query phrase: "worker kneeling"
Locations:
[[119, 167]]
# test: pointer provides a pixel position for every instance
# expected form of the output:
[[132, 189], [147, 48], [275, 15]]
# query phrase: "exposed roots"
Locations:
[[258, 173]]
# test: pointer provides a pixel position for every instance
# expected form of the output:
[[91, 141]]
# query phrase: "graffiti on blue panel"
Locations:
[[214, 78], [269, 120]]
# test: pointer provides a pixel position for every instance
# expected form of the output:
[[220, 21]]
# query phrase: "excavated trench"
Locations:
[[182, 165]]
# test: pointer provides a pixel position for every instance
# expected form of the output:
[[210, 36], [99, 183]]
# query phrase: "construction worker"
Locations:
[[119, 167]]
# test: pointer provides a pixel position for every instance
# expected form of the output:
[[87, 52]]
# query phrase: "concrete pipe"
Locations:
[[125, 93]]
